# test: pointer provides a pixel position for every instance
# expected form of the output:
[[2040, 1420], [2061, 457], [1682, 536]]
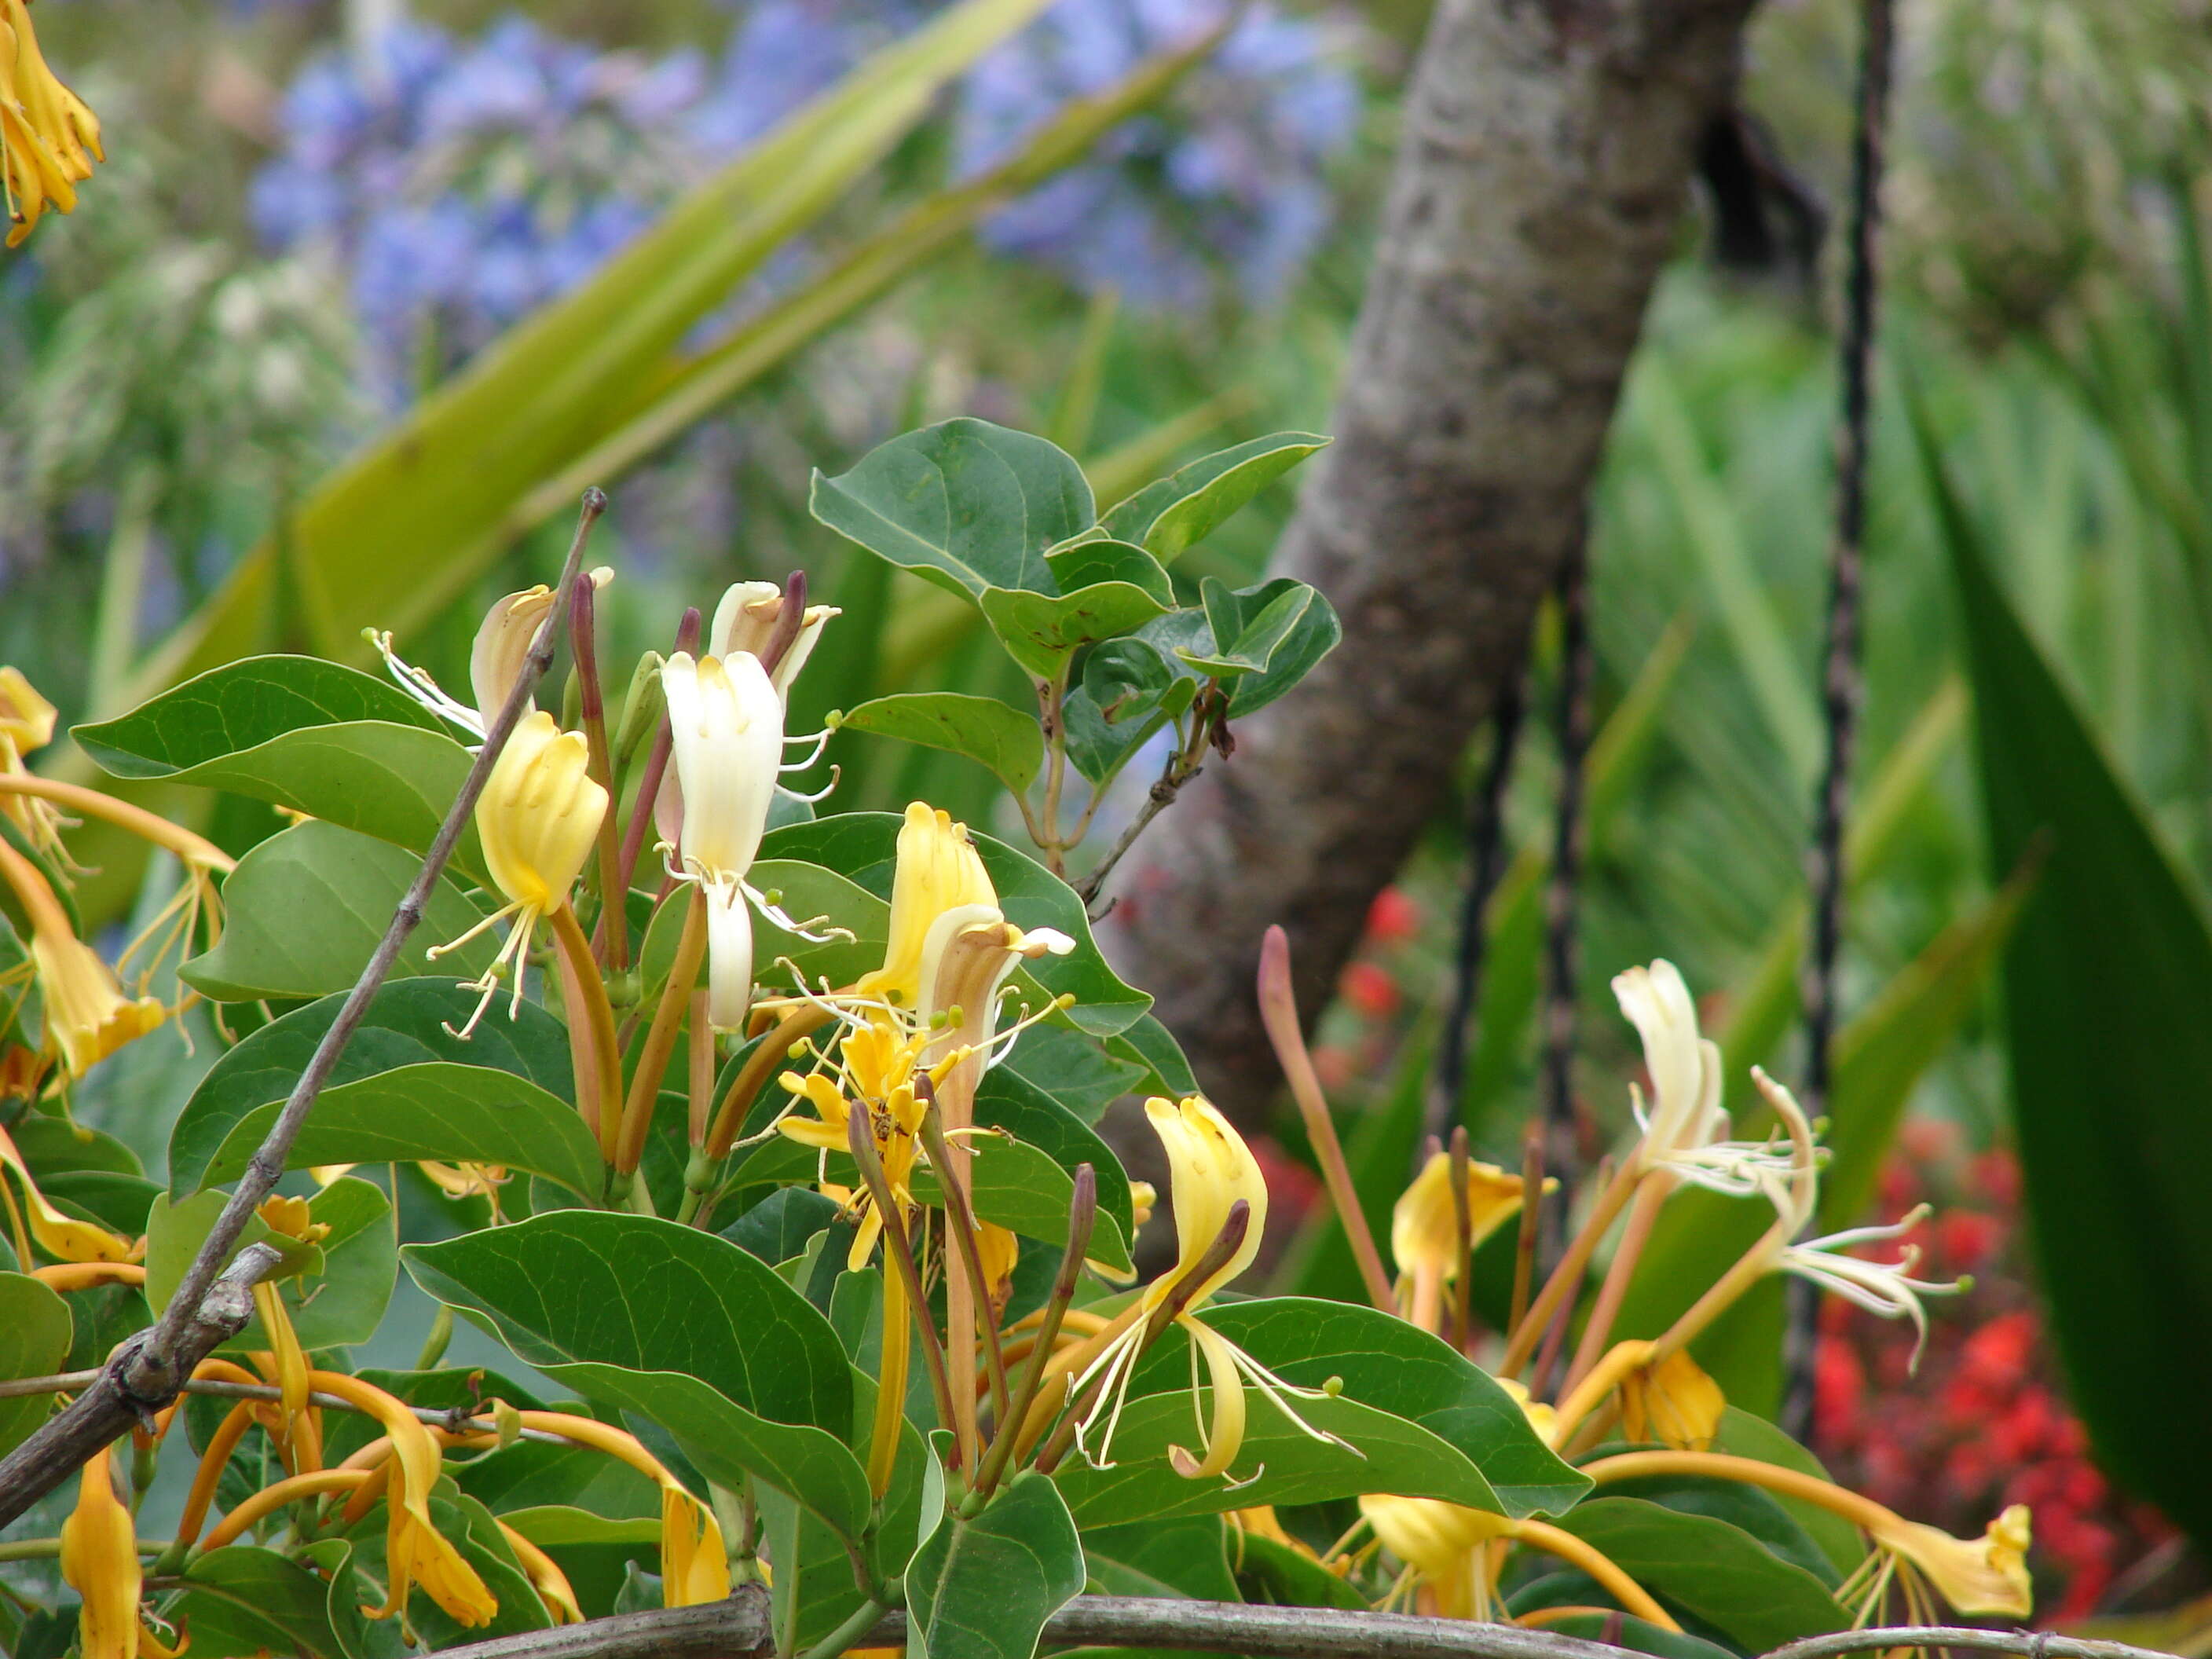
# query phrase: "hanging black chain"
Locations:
[[1842, 686], [1485, 863]]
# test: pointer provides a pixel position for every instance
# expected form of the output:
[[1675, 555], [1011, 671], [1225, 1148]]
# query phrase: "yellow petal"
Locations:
[[539, 813], [1225, 1437], [27, 720], [938, 870], [60, 1234], [100, 1561], [545, 1577], [1673, 1402], [1985, 1576], [1211, 1167], [1425, 1225]]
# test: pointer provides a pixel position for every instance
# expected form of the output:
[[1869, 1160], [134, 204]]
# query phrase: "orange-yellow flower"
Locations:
[[100, 1562], [48, 139], [88, 1016]]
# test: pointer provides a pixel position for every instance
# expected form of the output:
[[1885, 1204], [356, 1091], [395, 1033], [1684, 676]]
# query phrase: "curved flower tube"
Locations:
[[694, 1570], [746, 620], [88, 1016], [59, 1235], [100, 1562], [1425, 1230], [495, 657]]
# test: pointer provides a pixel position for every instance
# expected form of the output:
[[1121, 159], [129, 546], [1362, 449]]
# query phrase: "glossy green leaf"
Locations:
[[1175, 515], [778, 1227], [336, 1293], [676, 1324], [1041, 632], [239, 707], [1021, 1189], [245, 1600], [307, 907], [1099, 746], [1716, 1573], [52, 1145], [436, 1109], [1007, 1101], [1742, 1435], [1073, 1068], [864, 846], [999, 737], [2107, 977], [1094, 556], [34, 1339], [1270, 1575], [1146, 1041], [117, 1202], [1748, 1508], [406, 1024], [1249, 627], [1187, 1559], [982, 1588], [964, 504]]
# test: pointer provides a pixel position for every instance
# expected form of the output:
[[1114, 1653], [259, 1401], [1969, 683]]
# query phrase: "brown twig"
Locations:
[[147, 1373]]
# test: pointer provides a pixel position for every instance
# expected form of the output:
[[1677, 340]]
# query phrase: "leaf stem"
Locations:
[[763, 1063], [1568, 1275], [583, 647], [962, 1214], [1278, 1013], [1650, 1194], [858, 1624], [660, 1039], [1082, 1214], [860, 1136]]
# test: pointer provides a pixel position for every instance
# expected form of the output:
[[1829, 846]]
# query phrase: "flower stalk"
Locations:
[[606, 877], [860, 1138], [1082, 1215]]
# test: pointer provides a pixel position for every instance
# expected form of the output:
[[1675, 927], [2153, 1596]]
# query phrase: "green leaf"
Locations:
[[1270, 1575], [117, 1202], [307, 907], [1174, 1558], [1175, 515], [2107, 976], [1145, 1041], [982, 1588], [1718, 1574], [300, 734], [680, 1325], [1021, 1189], [998, 737], [406, 1024], [433, 1110], [864, 847], [349, 1274], [1041, 632], [964, 504], [244, 1599], [1081, 1077], [239, 707], [1635, 1634], [1099, 747], [53, 1145], [34, 1339], [1007, 1101], [1246, 628], [1747, 1508], [1094, 557], [777, 1228]]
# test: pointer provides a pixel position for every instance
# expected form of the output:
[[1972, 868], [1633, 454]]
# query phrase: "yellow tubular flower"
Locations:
[[48, 138], [694, 1568], [26, 722], [285, 1357], [877, 1063], [1212, 1169], [1982, 1577], [1442, 1542], [88, 1016], [538, 819], [59, 1235], [1673, 1402], [100, 1562], [545, 1577], [938, 870], [502, 644], [415, 1551], [1425, 1230], [746, 620], [725, 724]]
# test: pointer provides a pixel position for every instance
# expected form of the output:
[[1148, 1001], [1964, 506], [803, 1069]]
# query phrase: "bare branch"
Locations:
[[737, 1629], [147, 1373]]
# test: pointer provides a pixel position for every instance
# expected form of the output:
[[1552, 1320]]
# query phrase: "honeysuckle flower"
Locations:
[[746, 621], [495, 658], [695, 1570], [726, 724], [1210, 1171], [87, 1016], [48, 138], [938, 871], [1441, 1543], [26, 722], [100, 1562], [1886, 1290], [875, 1065], [1685, 1126], [1673, 1402], [1425, 1230], [538, 818], [59, 1235], [415, 1551], [545, 1577], [1982, 1577]]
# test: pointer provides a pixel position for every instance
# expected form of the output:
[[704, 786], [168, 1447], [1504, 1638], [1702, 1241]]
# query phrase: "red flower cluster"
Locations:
[[1985, 1422]]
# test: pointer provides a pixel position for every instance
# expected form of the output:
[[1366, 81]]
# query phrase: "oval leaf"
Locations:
[[1182, 510], [994, 734]]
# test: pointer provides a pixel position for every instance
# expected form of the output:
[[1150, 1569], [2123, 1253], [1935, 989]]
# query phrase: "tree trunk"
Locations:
[[1540, 187]]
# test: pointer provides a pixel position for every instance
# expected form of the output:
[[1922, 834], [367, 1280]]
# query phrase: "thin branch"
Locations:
[[1561, 954], [456, 1420], [146, 1374], [113, 1403], [737, 1629]]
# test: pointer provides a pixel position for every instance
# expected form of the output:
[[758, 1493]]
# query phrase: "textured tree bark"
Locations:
[[1541, 182]]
